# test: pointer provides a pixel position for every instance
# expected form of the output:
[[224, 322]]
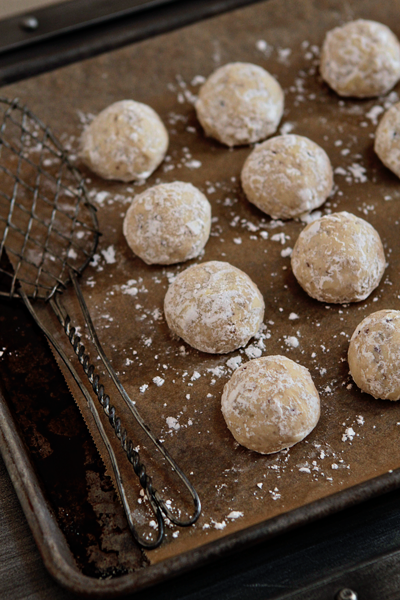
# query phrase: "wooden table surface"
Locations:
[[22, 574]]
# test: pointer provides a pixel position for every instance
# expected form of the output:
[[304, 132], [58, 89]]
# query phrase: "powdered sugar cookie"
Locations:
[[361, 59], [126, 141], [168, 223], [287, 175], [374, 355], [240, 103], [270, 403], [338, 258], [387, 139], [214, 307]]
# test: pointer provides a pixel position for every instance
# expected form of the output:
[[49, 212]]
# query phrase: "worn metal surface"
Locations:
[[131, 324], [65, 17], [82, 43]]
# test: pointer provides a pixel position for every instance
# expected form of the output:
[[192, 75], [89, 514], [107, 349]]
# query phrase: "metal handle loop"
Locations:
[[150, 492], [128, 401]]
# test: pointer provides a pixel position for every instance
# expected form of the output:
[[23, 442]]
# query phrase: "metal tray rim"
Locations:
[[59, 560]]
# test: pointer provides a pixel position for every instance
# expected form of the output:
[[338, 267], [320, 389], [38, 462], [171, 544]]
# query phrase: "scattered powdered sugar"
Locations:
[[130, 288], [283, 55], [159, 381], [188, 160], [276, 223], [197, 80], [305, 470], [184, 94], [275, 495], [109, 255], [253, 351], [358, 172], [374, 113], [235, 514], [349, 434], [287, 128], [286, 252], [153, 524], [312, 216], [221, 525], [264, 47], [234, 362], [280, 237], [391, 99], [355, 172], [192, 164], [217, 371], [172, 423], [292, 341], [101, 196], [85, 118]]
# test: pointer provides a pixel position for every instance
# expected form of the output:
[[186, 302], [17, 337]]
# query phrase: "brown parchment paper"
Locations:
[[357, 436]]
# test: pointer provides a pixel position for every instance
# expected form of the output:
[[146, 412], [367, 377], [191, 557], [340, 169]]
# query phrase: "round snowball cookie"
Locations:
[[287, 175], [361, 59], [374, 355], [338, 258], [240, 103], [126, 141], [214, 307], [270, 403], [168, 223], [387, 139]]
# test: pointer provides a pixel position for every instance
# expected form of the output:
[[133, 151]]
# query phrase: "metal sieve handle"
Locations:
[[137, 416], [49, 230], [141, 472], [156, 502]]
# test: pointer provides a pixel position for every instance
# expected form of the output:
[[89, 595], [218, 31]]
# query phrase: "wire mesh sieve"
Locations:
[[47, 224], [49, 233]]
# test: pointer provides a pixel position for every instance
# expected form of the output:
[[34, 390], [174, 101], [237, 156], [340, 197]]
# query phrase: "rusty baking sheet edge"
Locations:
[[59, 560], [64, 49]]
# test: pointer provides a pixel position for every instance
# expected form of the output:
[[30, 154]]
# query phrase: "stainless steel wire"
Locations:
[[47, 224], [49, 233]]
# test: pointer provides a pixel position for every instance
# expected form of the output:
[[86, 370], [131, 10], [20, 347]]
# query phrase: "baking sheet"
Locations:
[[356, 438]]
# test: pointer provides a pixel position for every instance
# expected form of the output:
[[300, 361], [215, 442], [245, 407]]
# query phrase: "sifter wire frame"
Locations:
[[48, 143], [43, 195]]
